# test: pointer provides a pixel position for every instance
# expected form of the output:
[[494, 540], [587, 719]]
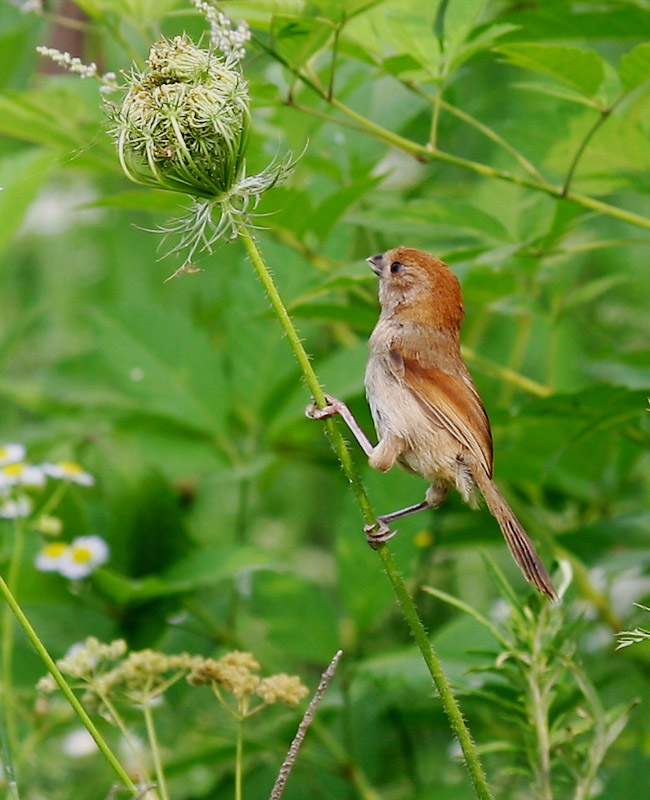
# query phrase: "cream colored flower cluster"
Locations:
[[142, 676], [235, 672]]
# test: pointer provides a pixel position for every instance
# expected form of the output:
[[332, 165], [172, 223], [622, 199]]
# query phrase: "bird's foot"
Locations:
[[379, 533], [333, 407]]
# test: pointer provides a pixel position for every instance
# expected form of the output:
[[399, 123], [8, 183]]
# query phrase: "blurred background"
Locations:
[[228, 521]]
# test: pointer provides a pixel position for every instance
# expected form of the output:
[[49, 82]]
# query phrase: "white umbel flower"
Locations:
[[69, 471], [10, 453], [83, 556], [21, 474]]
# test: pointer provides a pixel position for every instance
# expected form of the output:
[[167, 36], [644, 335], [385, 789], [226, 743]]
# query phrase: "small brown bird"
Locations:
[[426, 409]]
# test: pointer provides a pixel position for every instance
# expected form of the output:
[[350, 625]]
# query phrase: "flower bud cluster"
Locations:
[[183, 123], [236, 673]]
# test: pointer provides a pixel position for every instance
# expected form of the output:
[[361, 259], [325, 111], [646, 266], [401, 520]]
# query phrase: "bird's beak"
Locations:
[[375, 263]]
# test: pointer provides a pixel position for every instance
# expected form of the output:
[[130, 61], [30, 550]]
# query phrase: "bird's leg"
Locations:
[[434, 496], [335, 406], [379, 532]]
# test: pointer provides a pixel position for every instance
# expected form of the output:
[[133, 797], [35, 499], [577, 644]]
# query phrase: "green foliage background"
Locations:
[[228, 519]]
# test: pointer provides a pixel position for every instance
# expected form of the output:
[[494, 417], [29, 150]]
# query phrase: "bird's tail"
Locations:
[[521, 547]]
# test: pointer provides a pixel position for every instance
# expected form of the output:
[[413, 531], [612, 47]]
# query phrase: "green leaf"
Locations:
[[166, 365], [634, 67], [582, 70], [22, 175], [460, 18]]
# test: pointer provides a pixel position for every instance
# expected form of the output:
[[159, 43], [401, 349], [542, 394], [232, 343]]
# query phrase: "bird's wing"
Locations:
[[451, 401]]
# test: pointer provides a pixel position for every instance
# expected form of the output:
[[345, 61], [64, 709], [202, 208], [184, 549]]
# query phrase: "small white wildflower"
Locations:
[[10, 453], [49, 557], [78, 743], [71, 63], [223, 36], [69, 471], [21, 474], [83, 556], [15, 509]]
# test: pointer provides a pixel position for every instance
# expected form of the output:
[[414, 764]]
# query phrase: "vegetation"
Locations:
[[166, 510]]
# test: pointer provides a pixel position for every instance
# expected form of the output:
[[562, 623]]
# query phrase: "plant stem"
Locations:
[[449, 702], [155, 750], [435, 116], [423, 153], [8, 633], [506, 374], [126, 735], [539, 708], [239, 758], [65, 688], [604, 114]]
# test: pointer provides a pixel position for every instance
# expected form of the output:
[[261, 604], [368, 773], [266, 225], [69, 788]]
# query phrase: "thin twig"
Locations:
[[290, 760], [604, 114]]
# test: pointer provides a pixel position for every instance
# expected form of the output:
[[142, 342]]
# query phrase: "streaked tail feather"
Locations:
[[521, 547]]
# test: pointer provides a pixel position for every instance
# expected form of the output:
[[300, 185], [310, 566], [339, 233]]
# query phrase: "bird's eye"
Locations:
[[396, 266]]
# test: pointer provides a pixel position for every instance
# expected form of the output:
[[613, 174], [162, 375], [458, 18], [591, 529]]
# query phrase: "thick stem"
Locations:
[[155, 750], [65, 688], [449, 702]]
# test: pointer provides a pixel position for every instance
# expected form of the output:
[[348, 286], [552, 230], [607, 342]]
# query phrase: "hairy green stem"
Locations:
[[155, 750], [65, 688], [448, 700]]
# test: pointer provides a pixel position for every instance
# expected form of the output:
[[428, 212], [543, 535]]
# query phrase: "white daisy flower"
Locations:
[[10, 453], [14, 509], [68, 471], [83, 556], [50, 557], [20, 473]]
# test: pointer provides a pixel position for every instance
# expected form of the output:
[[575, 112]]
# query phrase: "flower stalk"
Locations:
[[448, 700], [63, 685]]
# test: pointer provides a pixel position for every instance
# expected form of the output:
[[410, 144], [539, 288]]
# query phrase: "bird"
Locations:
[[427, 412]]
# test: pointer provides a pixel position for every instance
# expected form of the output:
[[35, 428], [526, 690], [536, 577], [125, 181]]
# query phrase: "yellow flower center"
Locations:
[[81, 555], [14, 470], [423, 538], [70, 466], [54, 550], [3, 452]]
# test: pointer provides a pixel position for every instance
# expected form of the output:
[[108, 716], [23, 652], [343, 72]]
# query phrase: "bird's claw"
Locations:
[[333, 407], [379, 533]]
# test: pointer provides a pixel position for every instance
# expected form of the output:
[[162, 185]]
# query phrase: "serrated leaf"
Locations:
[[460, 17], [579, 69], [634, 67]]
